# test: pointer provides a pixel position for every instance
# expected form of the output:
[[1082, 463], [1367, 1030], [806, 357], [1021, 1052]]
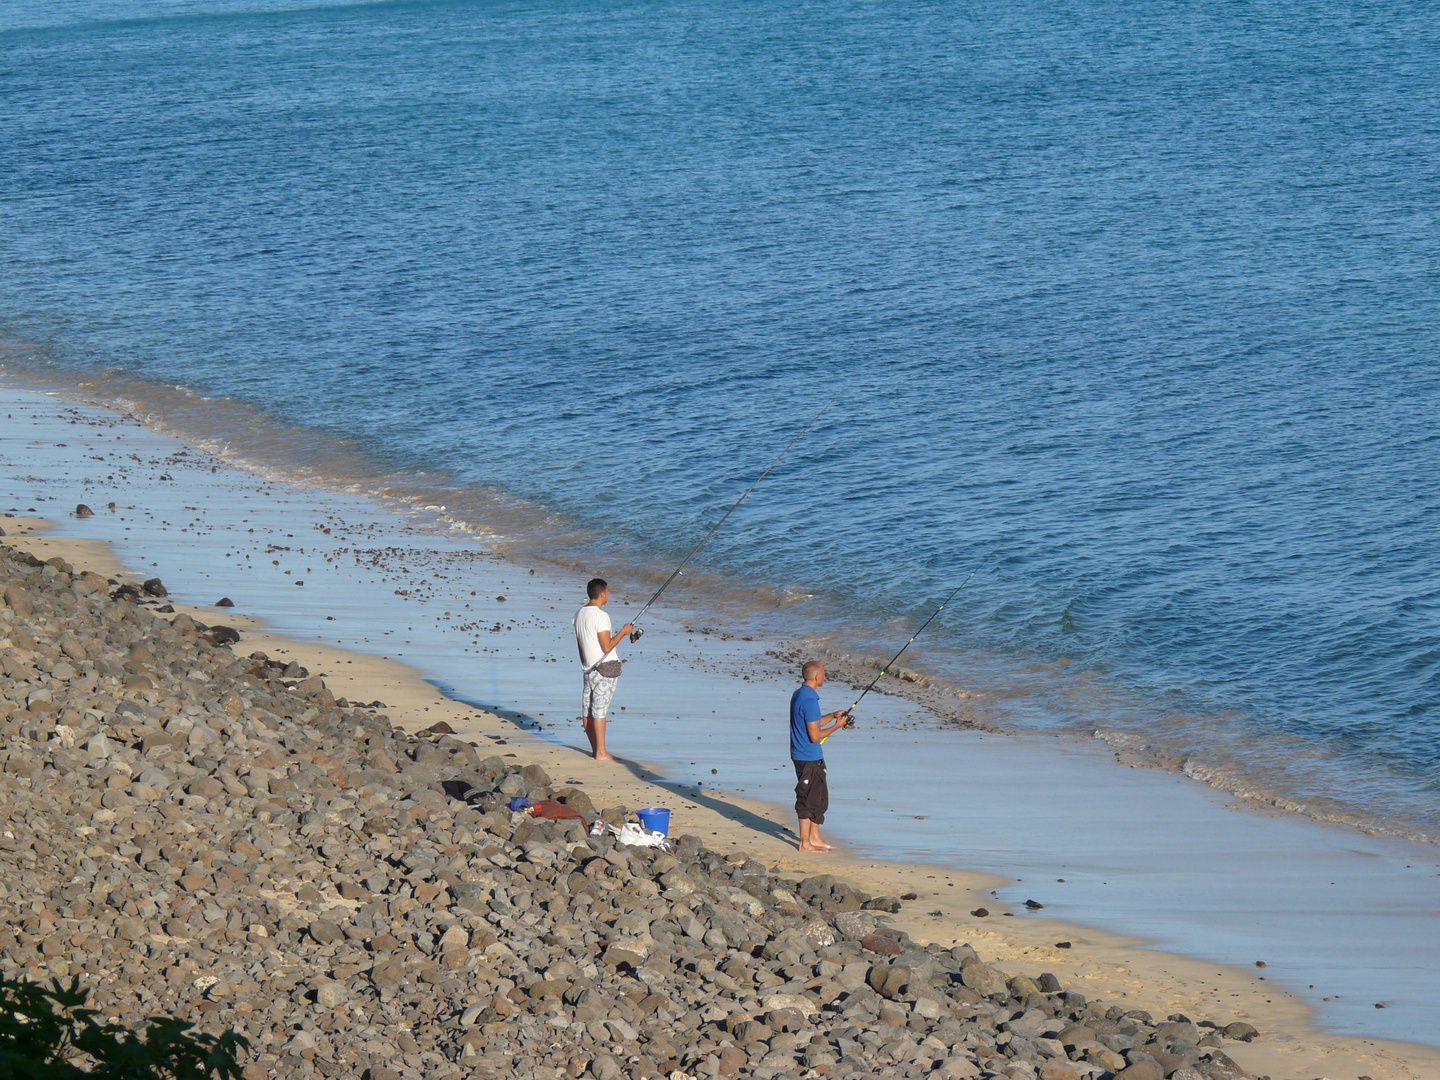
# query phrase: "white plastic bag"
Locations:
[[632, 835]]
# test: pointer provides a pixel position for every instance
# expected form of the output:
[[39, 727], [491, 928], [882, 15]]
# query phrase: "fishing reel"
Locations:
[[636, 635], [849, 721]]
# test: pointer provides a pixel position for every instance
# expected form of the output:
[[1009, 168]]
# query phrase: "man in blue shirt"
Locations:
[[808, 729]]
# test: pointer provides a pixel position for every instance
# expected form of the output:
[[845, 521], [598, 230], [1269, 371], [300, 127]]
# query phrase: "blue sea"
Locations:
[[1134, 309]]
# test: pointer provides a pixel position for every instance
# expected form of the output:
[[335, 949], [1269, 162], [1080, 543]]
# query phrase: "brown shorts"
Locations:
[[812, 793]]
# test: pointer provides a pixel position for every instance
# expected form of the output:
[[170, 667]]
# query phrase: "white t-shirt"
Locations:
[[589, 621]]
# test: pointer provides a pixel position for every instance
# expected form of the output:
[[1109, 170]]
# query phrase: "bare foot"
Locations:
[[818, 849], [606, 757]]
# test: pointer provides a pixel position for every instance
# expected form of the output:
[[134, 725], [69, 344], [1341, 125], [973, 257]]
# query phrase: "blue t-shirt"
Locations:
[[804, 708]]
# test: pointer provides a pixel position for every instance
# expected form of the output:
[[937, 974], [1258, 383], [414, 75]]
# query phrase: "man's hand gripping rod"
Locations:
[[637, 632], [850, 712]]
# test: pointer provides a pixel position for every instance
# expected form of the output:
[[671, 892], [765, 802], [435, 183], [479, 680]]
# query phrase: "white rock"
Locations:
[[791, 1001], [819, 932], [330, 994]]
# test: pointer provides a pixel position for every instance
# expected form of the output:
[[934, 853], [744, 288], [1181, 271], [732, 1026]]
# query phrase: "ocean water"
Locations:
[[1134, 308]]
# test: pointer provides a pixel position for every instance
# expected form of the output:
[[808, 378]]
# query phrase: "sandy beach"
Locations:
[[1103, 964]]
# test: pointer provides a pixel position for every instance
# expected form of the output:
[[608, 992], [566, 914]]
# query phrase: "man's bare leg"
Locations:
[[815, 838], [595, 729], [810, 837]]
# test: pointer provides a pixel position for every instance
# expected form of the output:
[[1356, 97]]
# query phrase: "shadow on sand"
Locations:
[[738, 814]]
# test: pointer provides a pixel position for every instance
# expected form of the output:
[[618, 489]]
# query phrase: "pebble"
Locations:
[[217, 838]]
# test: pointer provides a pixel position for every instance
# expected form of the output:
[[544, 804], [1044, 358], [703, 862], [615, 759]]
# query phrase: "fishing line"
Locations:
[[850, 721], [636, 634]]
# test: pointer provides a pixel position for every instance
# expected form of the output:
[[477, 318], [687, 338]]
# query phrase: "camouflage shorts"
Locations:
[[596, 696]]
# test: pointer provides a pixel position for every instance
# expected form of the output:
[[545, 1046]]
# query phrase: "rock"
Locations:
[[224, 601], [453, 939], [1221, 1067], [928, 1008], [223, 635], [330, 994], [1141, 1070], [791, 1003], [154, 587], [83, 511], [819, 933], [888, 981], [18, 600], [1240, 1032], [1104, 1058], [440, 728], [469, 894], [624, 955], [1034, 905], [880, 943], [91, 582], [577, 800], [853, 926], [958, 1068], [984, 980], [980, 912], [888, 904], [1022, 987]]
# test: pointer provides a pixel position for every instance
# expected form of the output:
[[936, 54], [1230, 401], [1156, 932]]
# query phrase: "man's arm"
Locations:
[[818, 732], [608, 640]]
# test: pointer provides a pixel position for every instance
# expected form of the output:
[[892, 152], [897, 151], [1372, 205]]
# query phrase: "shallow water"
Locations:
[[1342, 919], [1133, 307]]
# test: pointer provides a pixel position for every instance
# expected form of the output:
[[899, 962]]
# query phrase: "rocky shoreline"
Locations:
[[217, 837]]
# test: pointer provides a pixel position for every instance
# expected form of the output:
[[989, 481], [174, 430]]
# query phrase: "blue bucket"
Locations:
[[655, 818]]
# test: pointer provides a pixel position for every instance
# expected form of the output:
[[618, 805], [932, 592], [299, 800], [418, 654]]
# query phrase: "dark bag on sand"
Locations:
[[609, 669]]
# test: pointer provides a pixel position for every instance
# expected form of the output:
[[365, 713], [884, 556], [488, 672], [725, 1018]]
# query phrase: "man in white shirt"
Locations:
[[599, 663]]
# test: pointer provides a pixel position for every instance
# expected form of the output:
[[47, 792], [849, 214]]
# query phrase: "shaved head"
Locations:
[[811, 669]]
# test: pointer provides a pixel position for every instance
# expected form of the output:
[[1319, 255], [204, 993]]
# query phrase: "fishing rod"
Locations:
[[850, 721], [635, 635]]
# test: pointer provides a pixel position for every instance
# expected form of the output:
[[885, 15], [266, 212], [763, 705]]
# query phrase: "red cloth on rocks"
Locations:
[[551, 810]]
